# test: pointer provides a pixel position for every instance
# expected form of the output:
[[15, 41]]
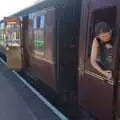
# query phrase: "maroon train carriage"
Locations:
[[58, 36]]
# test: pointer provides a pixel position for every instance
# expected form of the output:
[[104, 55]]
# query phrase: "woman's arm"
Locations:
[[94, 54]]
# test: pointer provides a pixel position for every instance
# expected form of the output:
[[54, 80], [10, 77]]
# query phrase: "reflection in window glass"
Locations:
[[38, 40], [35, 22], [2, 34], [42, 21]]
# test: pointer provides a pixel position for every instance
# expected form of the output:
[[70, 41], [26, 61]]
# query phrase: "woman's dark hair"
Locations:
[[101, 27]]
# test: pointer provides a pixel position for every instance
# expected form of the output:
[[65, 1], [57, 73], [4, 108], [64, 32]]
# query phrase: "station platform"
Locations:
[[20, 101]]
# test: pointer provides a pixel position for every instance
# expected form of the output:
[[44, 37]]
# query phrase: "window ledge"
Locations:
[[41, 57]]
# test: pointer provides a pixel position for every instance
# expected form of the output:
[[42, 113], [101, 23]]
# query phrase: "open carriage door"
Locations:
[[117, 75], [13, 42], [96, 93]]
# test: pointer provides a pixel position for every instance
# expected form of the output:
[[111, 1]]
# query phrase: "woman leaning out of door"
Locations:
[[101, 48]]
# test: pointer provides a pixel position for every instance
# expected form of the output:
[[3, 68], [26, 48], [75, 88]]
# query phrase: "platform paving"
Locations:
[[18, 102]]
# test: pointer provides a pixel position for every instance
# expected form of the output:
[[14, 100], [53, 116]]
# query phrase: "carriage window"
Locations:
[[2, 35], [99, 16], [104, 56], [38, 30]]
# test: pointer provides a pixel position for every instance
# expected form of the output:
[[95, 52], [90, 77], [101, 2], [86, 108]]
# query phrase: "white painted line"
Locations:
[[3, 61], [46, 102]]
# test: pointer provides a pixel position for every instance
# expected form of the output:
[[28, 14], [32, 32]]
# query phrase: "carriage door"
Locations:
[[13, 42], [118, 78], [95, 91]]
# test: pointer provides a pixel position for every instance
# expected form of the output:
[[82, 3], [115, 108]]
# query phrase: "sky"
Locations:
[[8, 7]]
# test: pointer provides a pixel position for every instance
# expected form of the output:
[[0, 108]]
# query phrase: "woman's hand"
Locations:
[[108, 74]]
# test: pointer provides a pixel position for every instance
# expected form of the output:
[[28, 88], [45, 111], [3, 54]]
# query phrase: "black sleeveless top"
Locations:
[[104, 58]]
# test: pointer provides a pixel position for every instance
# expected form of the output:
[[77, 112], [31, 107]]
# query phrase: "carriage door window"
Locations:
[[100, 15], [2, 36], [38, 35]]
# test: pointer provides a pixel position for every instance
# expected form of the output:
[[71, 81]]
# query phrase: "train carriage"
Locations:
[[56, 41]]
